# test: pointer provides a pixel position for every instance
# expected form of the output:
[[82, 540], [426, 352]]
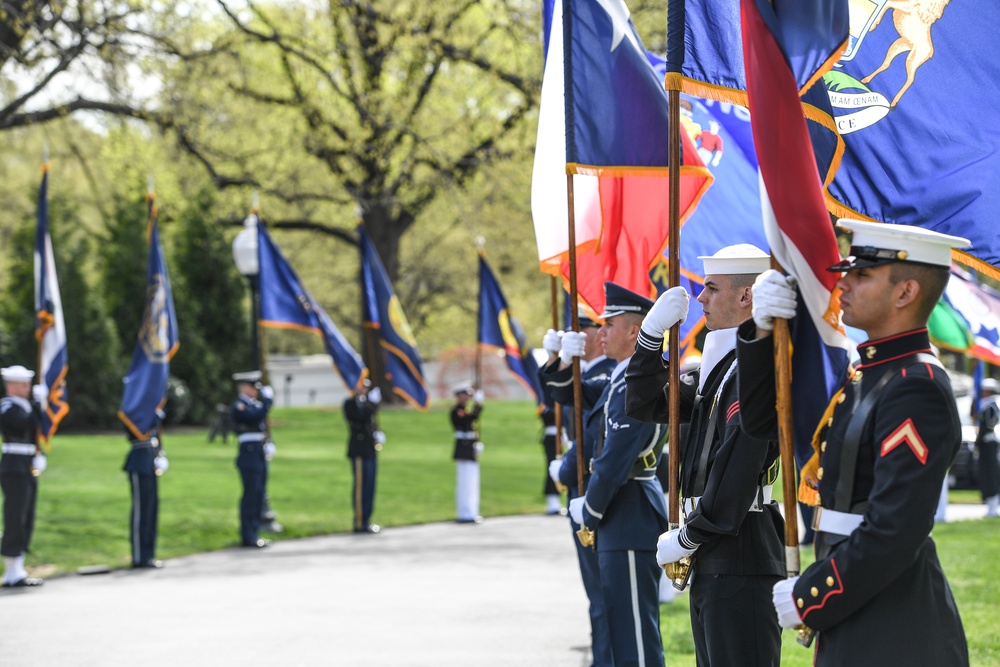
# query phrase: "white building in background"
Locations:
[[311, 380]]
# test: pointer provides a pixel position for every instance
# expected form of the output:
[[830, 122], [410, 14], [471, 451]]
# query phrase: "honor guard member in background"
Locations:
[[876, 593], [986, 441], [20, 464], [467, 450], [553, 504], [249, 417], [144, 464], [623, 503], [365, 440], [595, 371], [732, 528]]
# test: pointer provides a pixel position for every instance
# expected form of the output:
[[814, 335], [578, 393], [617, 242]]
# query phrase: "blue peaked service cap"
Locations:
[[618, 301]]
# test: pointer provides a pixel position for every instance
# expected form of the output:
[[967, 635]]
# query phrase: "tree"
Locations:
[[211, 311]]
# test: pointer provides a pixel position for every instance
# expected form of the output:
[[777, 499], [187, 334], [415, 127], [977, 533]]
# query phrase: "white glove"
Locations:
[[478, 447], [670, 308], [554, 468], [160, 464], [269, 449], [552, 342], [576, 510], [40, 393], [573, 345], [267, 391], [479, 396], [375, 395], [783, 597], [379, 437], [39, 463], [773, 296], [669, 549]]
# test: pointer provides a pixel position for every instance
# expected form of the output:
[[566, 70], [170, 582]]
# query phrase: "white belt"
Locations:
[[19, 448], [832, 521], [755, 506], [465, 435], [550, 430], [250, 437]]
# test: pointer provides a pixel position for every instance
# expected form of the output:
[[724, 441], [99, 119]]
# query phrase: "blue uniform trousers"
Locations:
[[254, 475], [630, 583], [142, 522], [590, 572], [365, 496]]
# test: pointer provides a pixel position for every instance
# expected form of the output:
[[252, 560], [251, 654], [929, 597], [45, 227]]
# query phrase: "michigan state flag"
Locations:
[[146, 379], [383, 314], [285, 303], [499, 330], [50, 331]]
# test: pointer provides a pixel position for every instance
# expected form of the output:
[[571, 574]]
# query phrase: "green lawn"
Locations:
[[84, 502]]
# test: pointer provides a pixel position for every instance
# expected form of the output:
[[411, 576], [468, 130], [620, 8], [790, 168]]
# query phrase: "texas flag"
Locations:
[[603, 120]]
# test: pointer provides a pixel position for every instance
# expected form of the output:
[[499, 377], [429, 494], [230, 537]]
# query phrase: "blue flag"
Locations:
[[499, 330], [285, 303], [50, 331], [384, 314], [934, 161], [146, 379]]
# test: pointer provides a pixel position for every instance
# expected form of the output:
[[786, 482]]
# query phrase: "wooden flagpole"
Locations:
[[554, 289]]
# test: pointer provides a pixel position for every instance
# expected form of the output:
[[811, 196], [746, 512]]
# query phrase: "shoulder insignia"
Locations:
[[617, 425], [733, 410], [906, 432]]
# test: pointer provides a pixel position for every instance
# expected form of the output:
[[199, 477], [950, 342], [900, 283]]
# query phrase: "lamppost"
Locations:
[[248, 264]]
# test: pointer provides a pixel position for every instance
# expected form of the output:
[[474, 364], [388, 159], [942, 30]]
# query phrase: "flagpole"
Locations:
[[480, 252], [554, 289], [585, 535]]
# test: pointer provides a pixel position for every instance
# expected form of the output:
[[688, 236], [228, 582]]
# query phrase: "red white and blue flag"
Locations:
[[784, 46], [603, 120]]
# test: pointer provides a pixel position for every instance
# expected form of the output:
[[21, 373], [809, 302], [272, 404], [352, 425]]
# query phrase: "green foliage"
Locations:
[[17, 308], [212, 316], [123, 254]]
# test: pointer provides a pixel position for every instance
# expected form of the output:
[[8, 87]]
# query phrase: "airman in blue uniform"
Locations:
[[364, 442], [623, 503], [144, 463], [249, 416]]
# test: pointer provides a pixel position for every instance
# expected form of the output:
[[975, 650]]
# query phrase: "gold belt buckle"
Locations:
[[649, 460]]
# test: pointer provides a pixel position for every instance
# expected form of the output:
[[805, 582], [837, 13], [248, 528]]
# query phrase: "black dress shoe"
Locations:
[[151, 564], [372, 529], [259, 544], [27, 581]]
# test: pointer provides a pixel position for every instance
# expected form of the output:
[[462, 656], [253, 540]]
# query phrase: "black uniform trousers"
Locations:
[[253, 472], [20, 493], [143, 485], [549, 443], [365, 469], [715, 601]]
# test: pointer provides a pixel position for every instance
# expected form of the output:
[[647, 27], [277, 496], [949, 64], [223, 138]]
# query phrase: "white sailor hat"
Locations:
[[618, 301], [249, 377], [16, 374], [990, 385], [739, 259], [876, 243], [462, 388]]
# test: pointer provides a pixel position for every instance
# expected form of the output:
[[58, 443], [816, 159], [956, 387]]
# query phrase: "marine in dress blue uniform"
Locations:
[[623, 503], [732, 529], [249, 416], [876, 593], [595, 371], [986, 441], [144, 463], [364, 442], [464, 420], [21, 462]]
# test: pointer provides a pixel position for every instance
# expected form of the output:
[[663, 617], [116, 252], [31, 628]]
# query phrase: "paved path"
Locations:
[[506, 592]]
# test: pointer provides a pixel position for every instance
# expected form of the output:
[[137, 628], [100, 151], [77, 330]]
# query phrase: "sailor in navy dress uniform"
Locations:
[[466, 453], [595, 371], [876, 594], [733, 530], [364, 442], [144, 464], [20, 465], [986, 441], [249, 416], [623, 503]]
